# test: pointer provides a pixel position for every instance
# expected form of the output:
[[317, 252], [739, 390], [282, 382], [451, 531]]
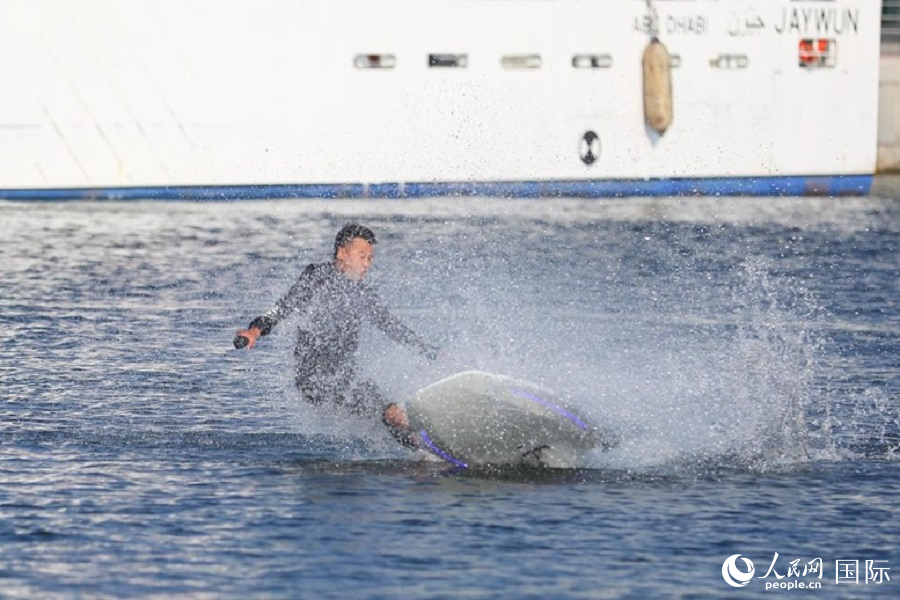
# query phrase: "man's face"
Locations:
[[355, 258]]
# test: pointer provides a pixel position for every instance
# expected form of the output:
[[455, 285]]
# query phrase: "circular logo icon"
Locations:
[[733, 575], [589, 147]]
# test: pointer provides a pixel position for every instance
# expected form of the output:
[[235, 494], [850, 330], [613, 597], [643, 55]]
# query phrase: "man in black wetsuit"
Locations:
[[332, 300]]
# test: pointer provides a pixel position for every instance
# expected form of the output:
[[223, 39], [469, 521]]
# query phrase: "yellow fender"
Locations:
[[657, 86]]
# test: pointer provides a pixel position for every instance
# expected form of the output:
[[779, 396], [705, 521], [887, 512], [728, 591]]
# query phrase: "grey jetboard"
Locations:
[[475, 418]]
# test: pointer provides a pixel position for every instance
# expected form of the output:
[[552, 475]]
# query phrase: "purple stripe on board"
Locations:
[[557, 409], [440, 452]]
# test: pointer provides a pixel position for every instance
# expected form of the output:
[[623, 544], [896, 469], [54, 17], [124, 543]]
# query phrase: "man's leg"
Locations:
[[319, 388], [363, 398], [367, 400], [312, 373]]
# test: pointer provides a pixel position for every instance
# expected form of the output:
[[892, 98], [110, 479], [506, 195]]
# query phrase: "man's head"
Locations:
[[353, 250]]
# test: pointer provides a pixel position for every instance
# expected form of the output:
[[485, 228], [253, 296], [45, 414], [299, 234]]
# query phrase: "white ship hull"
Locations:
[[227, 99]]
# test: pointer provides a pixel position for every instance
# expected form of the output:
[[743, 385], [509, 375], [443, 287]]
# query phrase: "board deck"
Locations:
[[475, 418]]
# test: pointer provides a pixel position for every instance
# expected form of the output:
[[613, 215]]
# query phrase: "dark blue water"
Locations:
[[745, 351]]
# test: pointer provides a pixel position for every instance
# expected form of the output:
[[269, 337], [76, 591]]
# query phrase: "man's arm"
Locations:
[[297, 296], [396, 330]]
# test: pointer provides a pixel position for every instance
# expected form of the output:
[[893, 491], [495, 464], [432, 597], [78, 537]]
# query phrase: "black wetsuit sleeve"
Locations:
[[295, 299], [393, 327]]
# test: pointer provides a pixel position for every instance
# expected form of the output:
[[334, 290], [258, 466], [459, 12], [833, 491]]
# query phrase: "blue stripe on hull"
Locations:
[[836, 185]]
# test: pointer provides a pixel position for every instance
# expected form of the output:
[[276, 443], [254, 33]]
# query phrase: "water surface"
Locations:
[[745, 350]]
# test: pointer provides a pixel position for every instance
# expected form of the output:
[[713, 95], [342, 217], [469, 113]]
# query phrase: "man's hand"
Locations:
[[246, 338], [397, 422]]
